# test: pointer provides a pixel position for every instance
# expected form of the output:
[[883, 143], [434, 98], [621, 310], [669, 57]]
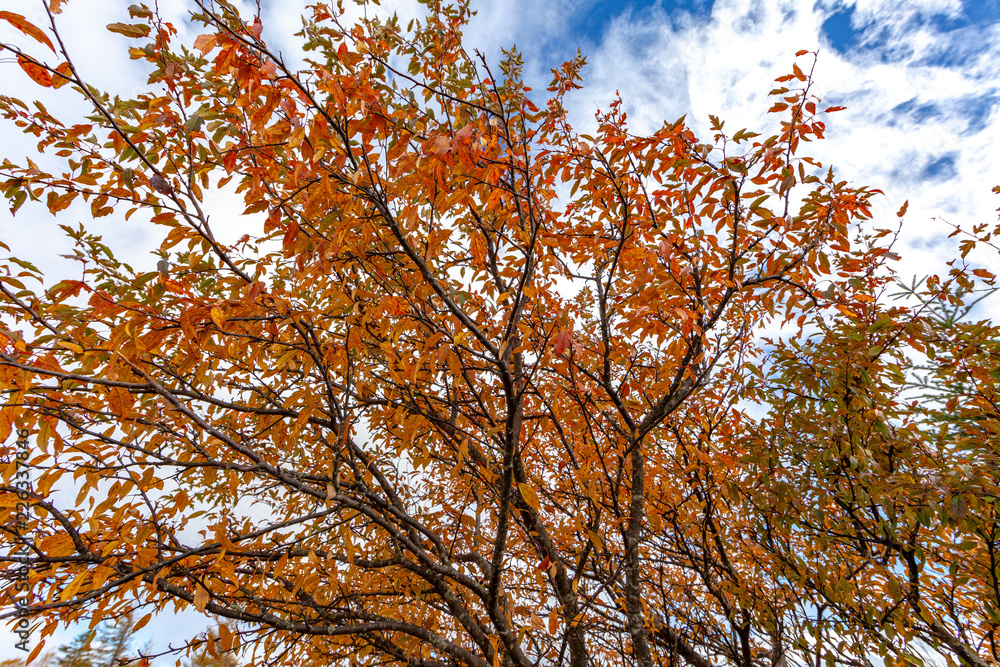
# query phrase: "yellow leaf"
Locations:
[[529, 495], [73, 347], [218, 317], [74, 586]]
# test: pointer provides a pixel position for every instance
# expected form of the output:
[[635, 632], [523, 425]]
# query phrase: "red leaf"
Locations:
[[664, 251], [291, 233], [562, 341]]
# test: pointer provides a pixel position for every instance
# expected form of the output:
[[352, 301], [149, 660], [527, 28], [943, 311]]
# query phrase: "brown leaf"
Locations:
[[161, 185], [133, 30]]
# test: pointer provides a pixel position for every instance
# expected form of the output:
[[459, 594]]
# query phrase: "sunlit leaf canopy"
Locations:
[[475, 389]]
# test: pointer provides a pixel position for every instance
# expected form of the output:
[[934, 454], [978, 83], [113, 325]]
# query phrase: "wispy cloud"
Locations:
[[921, 120]]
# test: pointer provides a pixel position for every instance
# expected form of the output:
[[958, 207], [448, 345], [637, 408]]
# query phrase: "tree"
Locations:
[[881, 486], [114, 639], [208, 655], [43, 660], [81, 652], [105, 646], [473, 390]]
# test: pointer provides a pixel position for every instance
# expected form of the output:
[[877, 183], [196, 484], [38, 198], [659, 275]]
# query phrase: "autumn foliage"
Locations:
[[475, 389]]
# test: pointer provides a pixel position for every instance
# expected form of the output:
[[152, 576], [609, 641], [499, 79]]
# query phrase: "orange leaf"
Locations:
[[27, 27], [120, 402], [6, 423], [34, 652], [291, 233], [38, 74], [205, 43], [200, 597], [225, 636]]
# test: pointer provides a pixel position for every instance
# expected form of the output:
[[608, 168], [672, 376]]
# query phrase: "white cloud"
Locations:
[[726, 64]]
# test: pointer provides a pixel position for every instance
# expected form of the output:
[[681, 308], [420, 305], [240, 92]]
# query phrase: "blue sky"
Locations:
[[920, 80], [958, 31]]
